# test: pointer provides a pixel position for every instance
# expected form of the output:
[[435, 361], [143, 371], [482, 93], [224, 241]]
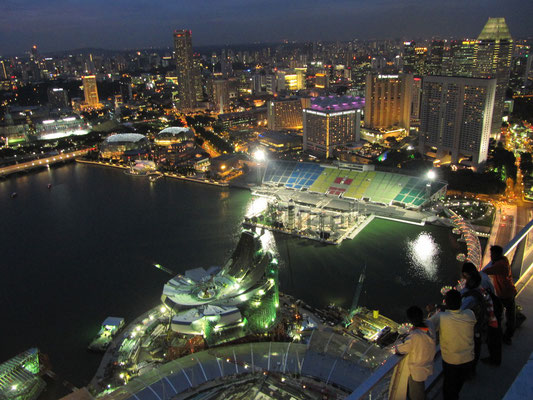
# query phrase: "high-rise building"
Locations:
[[57, 98], [435, 58], [125, 88], [416, 97], [90, 91], [331, 122], [185, 69], [455, 118], [388, 101], [414, 58], [286, 113], [462, 58], [220, 95], [492, 59]]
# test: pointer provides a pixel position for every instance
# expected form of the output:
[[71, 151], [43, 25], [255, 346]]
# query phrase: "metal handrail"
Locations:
[[392, 362]]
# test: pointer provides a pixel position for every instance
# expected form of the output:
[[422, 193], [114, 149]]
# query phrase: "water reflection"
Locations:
[[423, 255]]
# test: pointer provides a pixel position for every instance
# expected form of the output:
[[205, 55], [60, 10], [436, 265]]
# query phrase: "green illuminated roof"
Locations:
[[495, 29]]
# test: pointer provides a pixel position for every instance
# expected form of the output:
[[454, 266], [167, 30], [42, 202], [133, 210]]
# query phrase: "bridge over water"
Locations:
[[42, 162]]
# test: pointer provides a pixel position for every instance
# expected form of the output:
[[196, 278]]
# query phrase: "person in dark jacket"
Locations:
[[500, 272]]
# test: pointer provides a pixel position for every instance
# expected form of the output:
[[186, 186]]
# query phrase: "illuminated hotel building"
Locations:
[[331, 122], [90, 91], [492, 59], [455, 118], [185, 69], [286, 113], [388, 101]]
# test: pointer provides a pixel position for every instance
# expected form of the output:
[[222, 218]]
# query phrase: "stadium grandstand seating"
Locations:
[[375, 186]]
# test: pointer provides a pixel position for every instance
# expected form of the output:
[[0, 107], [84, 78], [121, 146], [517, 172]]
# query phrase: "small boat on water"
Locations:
[[155, 177], [109, 329]]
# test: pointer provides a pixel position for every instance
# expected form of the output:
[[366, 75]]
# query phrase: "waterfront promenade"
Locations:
[[167, 174]]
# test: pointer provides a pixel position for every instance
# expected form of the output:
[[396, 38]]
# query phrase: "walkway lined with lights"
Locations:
[[43, 162]]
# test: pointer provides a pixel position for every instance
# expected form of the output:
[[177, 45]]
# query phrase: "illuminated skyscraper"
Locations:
[[455, 118], [185, 69], [331, 122], [286, 113], [388, 101], [462, 58], [414, 58], [435, 58], [90, 91], [492, 59]]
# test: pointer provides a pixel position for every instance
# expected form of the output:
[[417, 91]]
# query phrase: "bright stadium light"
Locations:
[[431, 175], [259, 155]]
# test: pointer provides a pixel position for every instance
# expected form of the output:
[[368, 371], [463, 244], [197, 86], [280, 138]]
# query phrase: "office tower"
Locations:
[[435, 58], [295, 80], [90, 91], [184, 69], [220, 95], [286, 113], [492, 59], [331, 122], [388, 101], [456, 117], [124, 84], [57, 98], [462, 58], [414, 58]]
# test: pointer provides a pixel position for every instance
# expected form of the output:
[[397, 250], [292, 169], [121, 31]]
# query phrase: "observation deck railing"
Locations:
[[390, 380]]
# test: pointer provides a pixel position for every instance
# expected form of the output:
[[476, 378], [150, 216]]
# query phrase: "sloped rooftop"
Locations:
[[495, 29]]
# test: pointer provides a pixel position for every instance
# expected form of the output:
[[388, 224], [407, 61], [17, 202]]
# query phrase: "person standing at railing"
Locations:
[[500, 272], [456, 336], [419, 345], [476, 297]]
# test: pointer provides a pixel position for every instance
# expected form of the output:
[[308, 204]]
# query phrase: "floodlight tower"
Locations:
[[431, 175], [260, 157]]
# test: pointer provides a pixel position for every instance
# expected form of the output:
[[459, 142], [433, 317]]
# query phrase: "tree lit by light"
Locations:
[[423, 253]]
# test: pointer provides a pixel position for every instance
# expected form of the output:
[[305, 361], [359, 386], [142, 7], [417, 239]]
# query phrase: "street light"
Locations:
[[431, 175]]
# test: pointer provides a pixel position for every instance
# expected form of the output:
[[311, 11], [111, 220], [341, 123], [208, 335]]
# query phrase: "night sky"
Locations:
[[126, 24]]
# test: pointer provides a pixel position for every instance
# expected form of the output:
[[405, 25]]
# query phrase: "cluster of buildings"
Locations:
[[449, 94]]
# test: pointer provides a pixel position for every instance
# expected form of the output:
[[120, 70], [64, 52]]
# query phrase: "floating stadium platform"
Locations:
[[354, 182], [332, 203]]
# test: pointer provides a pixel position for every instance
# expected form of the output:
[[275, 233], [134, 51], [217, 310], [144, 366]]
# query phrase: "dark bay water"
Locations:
[[73, 255]]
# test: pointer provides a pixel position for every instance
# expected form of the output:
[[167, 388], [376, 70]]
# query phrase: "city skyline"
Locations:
[[57, 24]]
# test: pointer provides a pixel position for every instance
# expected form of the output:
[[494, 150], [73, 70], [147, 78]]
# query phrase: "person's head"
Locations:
[[471, 275], [453, 299], [415, 316], [496, 252]]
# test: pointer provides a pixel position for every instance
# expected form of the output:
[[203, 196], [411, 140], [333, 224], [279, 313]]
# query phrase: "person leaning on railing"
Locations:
[[419, 345], [456, 336], [500, 272]]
